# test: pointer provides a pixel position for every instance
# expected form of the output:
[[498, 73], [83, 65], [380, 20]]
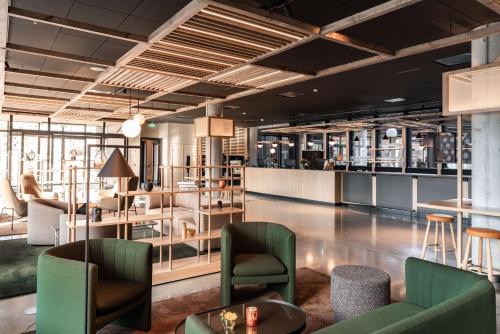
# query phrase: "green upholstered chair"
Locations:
[[194, 325], [120, 279], [258, 253], [439, 299]]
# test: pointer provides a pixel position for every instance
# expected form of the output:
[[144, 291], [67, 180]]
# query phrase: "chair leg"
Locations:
[[465, 264], [426, 238], [454, 242], [286, 291], [443, 241], [480, 256], [436, 240], [488, 258], [226, 291]]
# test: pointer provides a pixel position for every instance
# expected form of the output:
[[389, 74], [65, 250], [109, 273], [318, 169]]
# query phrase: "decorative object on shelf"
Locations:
[[99, 159], [213, 127], [73, 154], [148, 186], [96, 214], [187, 232], [228, 320], [219, 205], [252, 315], [222, 184], [391, 132], [30, 156], [356, 139]]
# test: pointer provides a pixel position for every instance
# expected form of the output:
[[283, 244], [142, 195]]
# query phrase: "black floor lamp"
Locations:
[[115, 166]]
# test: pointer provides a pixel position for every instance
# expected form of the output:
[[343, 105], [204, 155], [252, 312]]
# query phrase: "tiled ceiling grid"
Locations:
[[207, 47]]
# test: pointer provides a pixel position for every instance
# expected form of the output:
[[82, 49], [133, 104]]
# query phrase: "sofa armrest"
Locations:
[[471, 312], [283, 246], [226, 254], [61, 295], [195, 325]]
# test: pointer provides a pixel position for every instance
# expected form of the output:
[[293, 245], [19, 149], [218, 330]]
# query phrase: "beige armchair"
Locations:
[[11, 202], [31, 190]]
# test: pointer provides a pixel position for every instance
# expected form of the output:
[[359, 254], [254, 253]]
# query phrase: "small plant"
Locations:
[[228, 319]]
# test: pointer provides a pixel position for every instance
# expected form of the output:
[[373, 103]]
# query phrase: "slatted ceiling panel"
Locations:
[[79, 114], [144, 80], [253, 76], [214, 40], [23, 100], [238, 143]]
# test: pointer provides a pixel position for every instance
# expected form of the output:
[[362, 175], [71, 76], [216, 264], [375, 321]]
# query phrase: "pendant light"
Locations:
[[274, 144], [272, 150], [391, 133], [131, 127], [419, 136], [385, 137], [260, 145], [291, 144], [310, 143], [356, 139]]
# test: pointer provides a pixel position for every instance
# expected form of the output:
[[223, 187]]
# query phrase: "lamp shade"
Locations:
[[116, 166]]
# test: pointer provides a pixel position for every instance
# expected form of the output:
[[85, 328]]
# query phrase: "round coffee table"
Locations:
[[274, 316]]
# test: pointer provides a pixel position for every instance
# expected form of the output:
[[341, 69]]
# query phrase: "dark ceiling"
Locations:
[[417, 79]]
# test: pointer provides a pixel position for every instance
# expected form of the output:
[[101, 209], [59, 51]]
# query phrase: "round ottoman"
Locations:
[[358, 289]]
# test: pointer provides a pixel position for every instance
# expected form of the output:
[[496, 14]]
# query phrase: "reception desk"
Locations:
[[305, 184]]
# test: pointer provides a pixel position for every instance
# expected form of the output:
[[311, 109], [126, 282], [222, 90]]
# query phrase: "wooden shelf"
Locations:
[[223, 211], [180, 191], [113, 221], [165, 240], [185, 268]]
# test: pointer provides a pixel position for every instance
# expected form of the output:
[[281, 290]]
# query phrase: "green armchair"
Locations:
[[194, 325], [120, 279], [439, 299], [257, 253]]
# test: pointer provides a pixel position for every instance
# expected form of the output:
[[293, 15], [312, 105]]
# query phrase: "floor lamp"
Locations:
[[115, 166]]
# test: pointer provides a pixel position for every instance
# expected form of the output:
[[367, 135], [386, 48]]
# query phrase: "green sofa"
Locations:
[[120, 279], [439, 299], [257, 253]]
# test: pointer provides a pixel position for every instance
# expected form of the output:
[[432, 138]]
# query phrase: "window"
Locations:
[[277, 151]]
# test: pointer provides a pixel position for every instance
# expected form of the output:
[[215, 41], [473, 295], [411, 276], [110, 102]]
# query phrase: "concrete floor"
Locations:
[[326, 237]]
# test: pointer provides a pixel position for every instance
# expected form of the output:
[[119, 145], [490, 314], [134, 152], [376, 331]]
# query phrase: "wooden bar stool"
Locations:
[[481, 233], [439, 219]]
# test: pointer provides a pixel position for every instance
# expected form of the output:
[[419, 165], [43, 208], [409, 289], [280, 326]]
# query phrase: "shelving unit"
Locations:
[[170, 269]]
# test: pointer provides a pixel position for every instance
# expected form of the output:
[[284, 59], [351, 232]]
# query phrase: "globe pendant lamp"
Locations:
[[139, 118], [131, 127]]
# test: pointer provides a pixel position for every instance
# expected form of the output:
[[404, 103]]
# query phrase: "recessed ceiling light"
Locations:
[[97, 69], [243, 113], [290, 94], [231, 107], [184, 116], [315, 90], [394, 100], [262, 120]]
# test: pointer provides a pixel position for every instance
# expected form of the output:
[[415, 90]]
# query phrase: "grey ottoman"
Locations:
[[358, 289]]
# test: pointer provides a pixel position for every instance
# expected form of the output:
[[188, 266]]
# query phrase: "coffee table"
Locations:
[[274, 316]]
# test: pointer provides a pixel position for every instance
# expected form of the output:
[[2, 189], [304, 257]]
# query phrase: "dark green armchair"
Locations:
[[194, 325], [258, 253], [120, 279], [439, 299]]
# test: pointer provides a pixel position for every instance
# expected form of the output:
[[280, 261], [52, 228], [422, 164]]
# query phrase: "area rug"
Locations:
[[18, 267], [18, 263], [313, 297]]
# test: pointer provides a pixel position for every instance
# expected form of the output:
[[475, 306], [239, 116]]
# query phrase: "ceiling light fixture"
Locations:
[[244, 113], [310, 144], [391, 133], [385, 137], [291, 144], [419, 136], [274, 144], [262, 120], [331, 142], [97, 69], [260, 145], [395, 100], [315, 90], [356, 139], [131, 127], [272, 150]]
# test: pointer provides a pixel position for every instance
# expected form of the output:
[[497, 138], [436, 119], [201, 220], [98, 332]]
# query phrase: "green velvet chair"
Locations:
[[257, 253], [439, 299], [194, 325], [120, 279]]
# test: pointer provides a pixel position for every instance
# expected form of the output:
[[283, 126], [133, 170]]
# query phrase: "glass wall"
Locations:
[[361, 148], [47, 149], [390, 148], [337, 149], [277, 151]]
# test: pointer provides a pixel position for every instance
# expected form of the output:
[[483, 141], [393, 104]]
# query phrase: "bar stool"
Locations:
[[481, 233], [439, 219]]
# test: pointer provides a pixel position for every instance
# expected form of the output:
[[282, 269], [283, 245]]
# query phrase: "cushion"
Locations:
[[374, 320], [257, 265], [113, 294]]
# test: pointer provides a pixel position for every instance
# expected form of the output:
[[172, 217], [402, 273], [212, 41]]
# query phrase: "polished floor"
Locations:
[[326, 237]]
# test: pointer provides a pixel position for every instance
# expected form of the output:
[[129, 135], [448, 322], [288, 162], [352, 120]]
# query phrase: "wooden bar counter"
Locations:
[[306, 184]]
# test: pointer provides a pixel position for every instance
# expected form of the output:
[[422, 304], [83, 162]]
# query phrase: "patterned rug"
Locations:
[[313, 297]]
